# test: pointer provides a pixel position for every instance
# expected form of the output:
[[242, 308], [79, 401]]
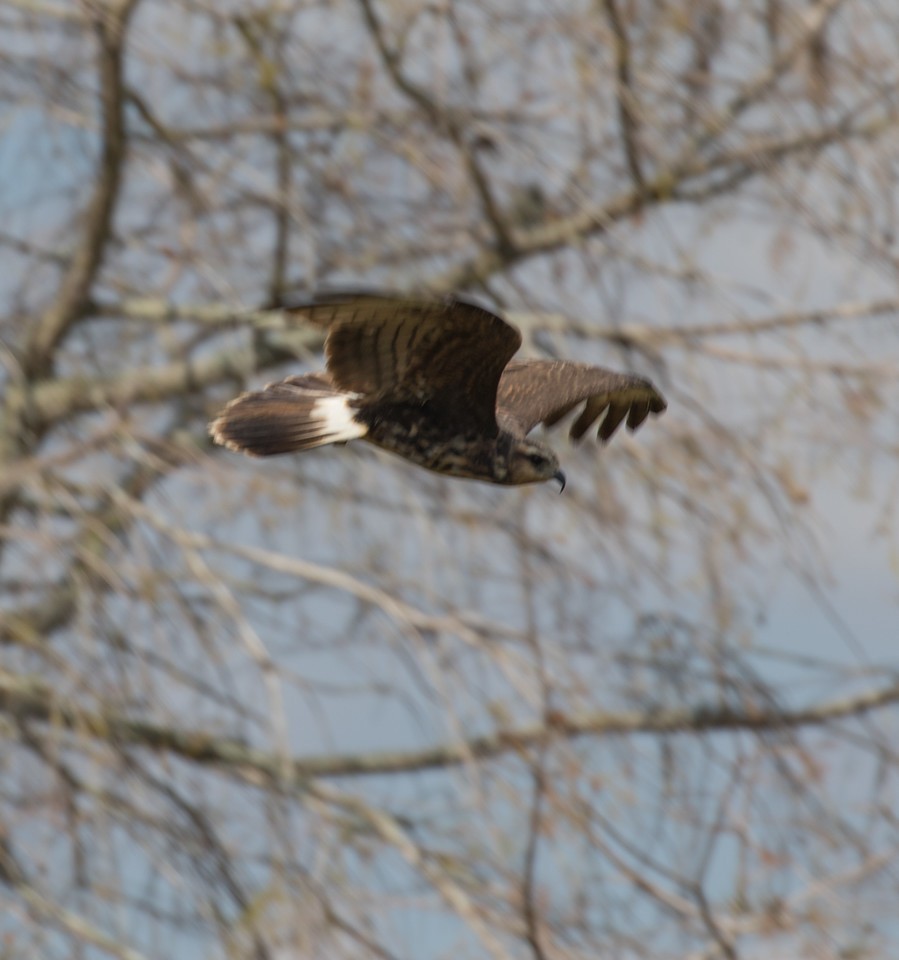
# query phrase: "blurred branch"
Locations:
[[530, 910], [29, 699], [110, 23], [389, 829], [445, 121], [308, 119], [808, 25], [216, 315], [12, 874], [414, 622], [640, 335], [33, 250], [694, 164], [53, 401], [37, 358], [835, 368], [55, 11], [32, 626], [29, 469], [268, 72], [628, 105]]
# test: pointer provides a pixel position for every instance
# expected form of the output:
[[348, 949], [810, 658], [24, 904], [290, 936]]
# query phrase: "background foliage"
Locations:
[[331, 706]]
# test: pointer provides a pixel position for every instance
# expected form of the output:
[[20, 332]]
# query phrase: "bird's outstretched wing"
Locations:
[[544, 391], [446, 354]]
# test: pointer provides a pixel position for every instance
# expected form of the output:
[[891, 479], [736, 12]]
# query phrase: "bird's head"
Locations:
[[533, 463]]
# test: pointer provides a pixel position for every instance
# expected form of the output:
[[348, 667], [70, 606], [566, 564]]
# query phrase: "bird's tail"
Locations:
[[286, 417]]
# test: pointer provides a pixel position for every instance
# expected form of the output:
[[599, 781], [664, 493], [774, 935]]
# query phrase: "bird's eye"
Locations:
[[537, 459]]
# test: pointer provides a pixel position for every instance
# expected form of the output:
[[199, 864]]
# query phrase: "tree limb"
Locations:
[[628, 109], [29, 699], [110, 25]]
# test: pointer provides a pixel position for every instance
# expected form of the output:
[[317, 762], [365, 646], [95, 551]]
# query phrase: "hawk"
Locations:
[[432, 380]]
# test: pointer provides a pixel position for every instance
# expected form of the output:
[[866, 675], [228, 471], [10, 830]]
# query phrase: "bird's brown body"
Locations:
[[433, 445], [433, 382]]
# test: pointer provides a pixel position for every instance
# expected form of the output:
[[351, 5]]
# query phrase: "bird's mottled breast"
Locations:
[[432, 442]]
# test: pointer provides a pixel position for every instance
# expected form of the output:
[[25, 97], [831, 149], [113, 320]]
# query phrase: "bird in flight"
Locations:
[[432, 380]]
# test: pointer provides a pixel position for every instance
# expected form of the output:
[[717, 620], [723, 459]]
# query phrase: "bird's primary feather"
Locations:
[[545, 391]]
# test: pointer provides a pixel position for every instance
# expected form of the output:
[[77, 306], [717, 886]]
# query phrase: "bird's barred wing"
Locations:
[[444, 353], [544, 391]]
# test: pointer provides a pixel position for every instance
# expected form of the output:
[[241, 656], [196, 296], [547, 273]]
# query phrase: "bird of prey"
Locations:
[[432, 380]]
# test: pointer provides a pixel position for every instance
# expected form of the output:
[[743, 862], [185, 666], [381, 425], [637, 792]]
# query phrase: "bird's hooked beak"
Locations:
[[558, 475]]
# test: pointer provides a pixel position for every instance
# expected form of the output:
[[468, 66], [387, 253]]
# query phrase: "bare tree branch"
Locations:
[[110, 23], [628, 105], [28, 699], [443, 121], [332, 706], [47, 911]]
